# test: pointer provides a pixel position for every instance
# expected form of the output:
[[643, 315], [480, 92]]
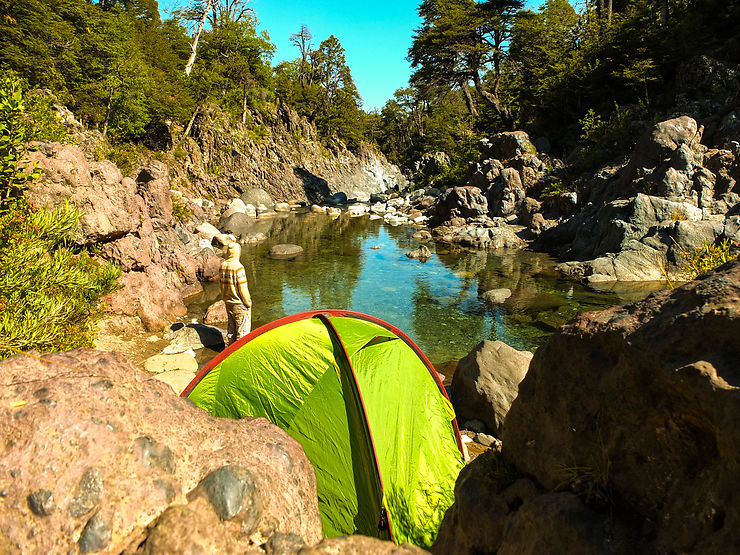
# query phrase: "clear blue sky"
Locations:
[[375, 35]]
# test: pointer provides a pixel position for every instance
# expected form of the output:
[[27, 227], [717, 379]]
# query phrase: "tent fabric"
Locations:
[[367, 407]]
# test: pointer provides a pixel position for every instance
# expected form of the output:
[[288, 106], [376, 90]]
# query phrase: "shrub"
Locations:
[[180, 210], [14, 134], [49, 294], [704, 259]]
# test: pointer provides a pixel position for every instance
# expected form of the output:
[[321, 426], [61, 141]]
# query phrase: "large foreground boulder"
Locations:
[[643, 402], [624, 437], [99, 457]]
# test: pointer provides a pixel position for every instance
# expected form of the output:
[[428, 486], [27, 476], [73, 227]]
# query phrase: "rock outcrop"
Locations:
[[128, 219], [99, 457], [279, 152], [628, 424], [674, 194]]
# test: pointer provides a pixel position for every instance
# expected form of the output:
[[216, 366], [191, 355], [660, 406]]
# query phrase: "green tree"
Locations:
[[462, 41]]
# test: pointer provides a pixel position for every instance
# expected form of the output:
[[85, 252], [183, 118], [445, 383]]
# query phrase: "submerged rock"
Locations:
[[285, 251]]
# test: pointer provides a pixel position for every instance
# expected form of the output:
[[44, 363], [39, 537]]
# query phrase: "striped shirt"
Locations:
[[234, 284]]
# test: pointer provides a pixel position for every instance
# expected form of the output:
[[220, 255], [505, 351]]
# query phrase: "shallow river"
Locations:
[[358, 264]]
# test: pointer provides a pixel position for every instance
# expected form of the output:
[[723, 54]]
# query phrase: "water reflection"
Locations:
[[358, 264]]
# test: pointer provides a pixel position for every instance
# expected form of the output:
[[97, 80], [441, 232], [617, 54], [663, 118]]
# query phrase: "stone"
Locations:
[[658, 143], [216, 314], [110, 204], [337, 199], [120, 450], [282, 207], [256, 196], [236, 224], [236, 204], [178, 380], [318, 209], [360, 545], [561, 523], [183, 338], [463, 202], [495, 297], [96, 534], [422, 253], [485, 382], [166, 363], [147, 295], [285, 251], [484, 500], [508, 145], [422, 236], [644, 397], [41, 502], [153, 185]]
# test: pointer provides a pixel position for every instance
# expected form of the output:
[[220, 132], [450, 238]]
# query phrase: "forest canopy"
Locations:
[[478, 67]]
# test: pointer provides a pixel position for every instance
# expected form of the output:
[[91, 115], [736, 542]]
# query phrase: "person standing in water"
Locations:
[[235, 293]]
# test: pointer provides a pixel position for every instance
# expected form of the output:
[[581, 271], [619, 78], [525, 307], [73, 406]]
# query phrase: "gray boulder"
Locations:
[[257, 196], [486, 381]]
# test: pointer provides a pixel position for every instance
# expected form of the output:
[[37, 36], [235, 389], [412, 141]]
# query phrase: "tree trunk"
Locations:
[[664, 12], [244, 103], [608, 12], [196, 38], [192, 121], [469, 100], [493, 99], [107, 113]]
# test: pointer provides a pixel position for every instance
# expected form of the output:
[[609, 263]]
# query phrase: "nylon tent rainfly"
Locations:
[[366, 405]]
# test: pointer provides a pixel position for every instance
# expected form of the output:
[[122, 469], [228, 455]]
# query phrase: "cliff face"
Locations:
[[280, 153]]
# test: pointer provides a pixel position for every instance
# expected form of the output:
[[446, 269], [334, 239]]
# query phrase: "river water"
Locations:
[[359, 264]]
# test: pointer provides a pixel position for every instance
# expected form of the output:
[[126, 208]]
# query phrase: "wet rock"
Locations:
[[87, 494], [422, 253], [41, 502], [495, 297], [285, 251], [423, 236], [486, 381], [96, 534]]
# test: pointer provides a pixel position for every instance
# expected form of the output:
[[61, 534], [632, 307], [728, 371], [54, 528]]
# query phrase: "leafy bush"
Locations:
[[49, 294], [704, 259], [14, 134]]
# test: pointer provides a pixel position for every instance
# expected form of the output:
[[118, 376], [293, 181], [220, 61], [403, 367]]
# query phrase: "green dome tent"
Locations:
[[366, 405]]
